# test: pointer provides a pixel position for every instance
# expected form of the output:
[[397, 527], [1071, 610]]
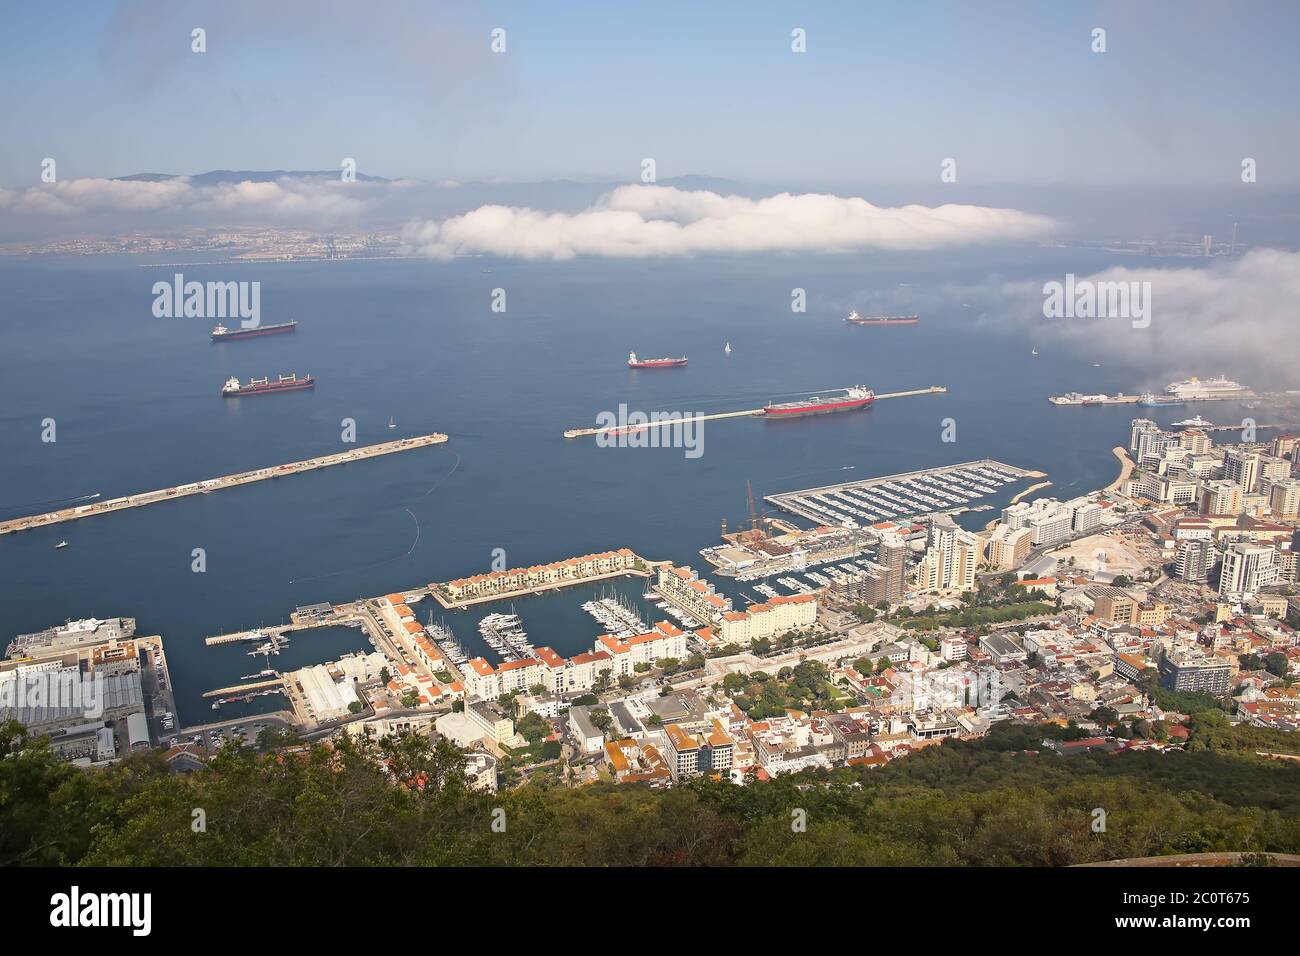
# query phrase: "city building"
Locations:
[[1196, 559], [1247, 567], [1284, 498], [773, 618], [1008, 547], [665, 641], [1191, 672], [691, 754], [1241, 467], [951, 557], [1221, 497], [570, 570]]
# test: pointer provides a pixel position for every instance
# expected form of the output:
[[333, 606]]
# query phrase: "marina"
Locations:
[[616, 615], [15, 525], [859, 504], [446, 642], [505, 634]]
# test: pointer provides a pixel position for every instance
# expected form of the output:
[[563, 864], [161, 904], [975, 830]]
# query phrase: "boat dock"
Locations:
[[216, 484], [260, 634], [747, 413], [860, 504], [240, 690]]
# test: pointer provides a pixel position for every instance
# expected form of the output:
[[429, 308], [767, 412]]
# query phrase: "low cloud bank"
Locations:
[[1236, 315], [650, 221], [297, 198]]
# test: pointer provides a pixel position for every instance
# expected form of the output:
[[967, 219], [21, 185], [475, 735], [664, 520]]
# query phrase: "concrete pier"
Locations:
[[746, 413], [216, 484]]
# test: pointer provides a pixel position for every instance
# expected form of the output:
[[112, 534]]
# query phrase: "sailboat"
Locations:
[[391, 423], [727, 350], [61, 544], [1035, 351]]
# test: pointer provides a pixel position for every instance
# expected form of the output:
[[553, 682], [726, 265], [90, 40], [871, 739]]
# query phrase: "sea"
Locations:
[[134, 403]]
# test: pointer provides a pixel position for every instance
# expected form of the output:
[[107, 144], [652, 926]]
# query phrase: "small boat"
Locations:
[[1035, 351], [391, 423], [61, 544], [727, 349]]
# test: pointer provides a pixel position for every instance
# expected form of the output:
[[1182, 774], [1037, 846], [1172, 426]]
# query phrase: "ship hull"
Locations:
[[829, 408], [675, 363], [254, 333], [270, 388], [906, 320]]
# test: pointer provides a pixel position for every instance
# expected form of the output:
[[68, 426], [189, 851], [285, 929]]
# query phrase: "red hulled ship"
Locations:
[[261, 386], [849, 400], [634, 362]]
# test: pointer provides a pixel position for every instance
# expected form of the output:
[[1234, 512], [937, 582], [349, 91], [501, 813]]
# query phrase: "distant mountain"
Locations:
[[219, 176]]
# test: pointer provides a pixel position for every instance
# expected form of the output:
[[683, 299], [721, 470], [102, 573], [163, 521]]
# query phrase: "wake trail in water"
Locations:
[[373, 564], [51, 501], [410, 551], [441, 480]]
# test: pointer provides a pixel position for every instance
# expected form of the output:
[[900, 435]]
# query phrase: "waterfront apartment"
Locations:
[[666, 640], [770, 619], [692, 594], [569, 571]]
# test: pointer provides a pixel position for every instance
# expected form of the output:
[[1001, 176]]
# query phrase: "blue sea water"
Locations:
[[136, 404]]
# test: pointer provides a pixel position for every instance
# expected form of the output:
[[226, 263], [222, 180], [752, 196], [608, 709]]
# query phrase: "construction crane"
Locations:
[[756, 520]]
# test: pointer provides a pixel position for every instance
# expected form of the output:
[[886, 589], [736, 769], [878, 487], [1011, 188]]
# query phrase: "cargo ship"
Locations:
[[849, 400], [261, 386], [223, 334], [854, 319], [634, 362]]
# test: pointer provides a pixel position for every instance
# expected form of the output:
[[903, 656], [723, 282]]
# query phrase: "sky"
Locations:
[[586, 90]]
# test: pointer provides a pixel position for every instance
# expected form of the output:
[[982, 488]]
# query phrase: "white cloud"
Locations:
[[1235, 315], [645, 221], [288, 196]]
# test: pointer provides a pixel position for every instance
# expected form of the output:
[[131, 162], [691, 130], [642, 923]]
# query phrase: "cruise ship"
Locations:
[[1217, 387], [859, 396]]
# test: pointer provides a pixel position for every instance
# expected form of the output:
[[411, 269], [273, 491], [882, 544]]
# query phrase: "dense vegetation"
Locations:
[[969, 617], [404, 802]]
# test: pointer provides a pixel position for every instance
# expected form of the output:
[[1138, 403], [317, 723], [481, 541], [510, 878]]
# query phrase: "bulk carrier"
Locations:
[[854, 319], [223, 334], [634, 362], [851, 399], [261, 386]]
